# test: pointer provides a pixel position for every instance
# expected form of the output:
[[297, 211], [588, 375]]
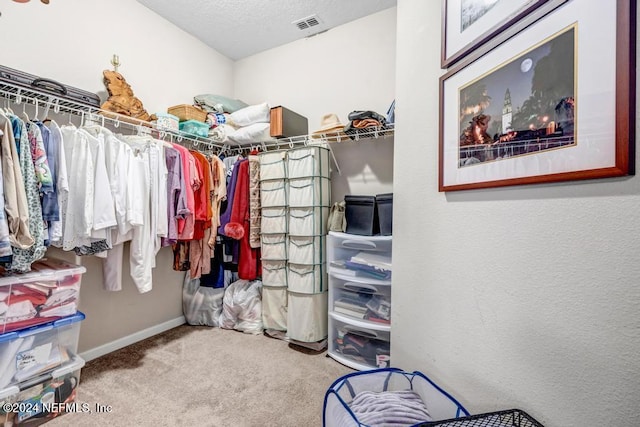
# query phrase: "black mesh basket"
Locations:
[[508, 418]]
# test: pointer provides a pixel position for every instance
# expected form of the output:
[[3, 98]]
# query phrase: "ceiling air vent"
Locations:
[[307, 23]]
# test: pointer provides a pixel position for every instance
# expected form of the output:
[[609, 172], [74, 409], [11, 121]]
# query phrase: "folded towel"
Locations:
[[389, 408]]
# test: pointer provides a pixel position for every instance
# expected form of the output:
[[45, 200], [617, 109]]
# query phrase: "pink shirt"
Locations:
[[186, 225]]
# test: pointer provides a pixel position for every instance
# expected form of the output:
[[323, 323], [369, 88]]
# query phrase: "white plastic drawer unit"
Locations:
[[307, 279], [273, 165], [308, 221], [273, 193], [308, 161], [306, 249], [274, 273], [373, 343], [273, 247], [351, 243], [307, 316], [274, 221], [309, 191], [367, 302]]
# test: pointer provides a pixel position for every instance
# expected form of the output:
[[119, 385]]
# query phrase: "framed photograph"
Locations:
[[555, 102], [472, 27]]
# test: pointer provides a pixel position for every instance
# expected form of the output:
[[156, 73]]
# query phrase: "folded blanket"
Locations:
[[389, 408]]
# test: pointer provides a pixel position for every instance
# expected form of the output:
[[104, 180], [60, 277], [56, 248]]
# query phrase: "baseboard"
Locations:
[[107, 348]]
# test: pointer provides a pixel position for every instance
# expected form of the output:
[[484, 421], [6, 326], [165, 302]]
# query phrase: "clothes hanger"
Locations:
[[25, 116]]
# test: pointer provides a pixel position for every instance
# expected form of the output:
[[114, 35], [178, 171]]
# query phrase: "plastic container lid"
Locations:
[[10, 336], [45, 269]]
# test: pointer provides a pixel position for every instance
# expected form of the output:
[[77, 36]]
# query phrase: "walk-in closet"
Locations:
[[319, 213]]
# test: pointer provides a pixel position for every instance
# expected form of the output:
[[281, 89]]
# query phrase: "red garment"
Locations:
[[202, 199], [249, 266]]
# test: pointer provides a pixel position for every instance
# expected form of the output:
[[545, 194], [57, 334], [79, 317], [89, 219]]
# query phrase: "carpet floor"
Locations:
[[201, 376]]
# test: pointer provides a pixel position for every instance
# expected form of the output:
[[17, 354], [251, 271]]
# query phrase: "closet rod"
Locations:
[[18, 95]]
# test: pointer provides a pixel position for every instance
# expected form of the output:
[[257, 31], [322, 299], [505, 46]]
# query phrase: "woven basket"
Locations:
[[186, 112]]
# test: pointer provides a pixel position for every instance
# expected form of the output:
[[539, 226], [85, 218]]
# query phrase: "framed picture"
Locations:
[[555, 102], [473, 27]]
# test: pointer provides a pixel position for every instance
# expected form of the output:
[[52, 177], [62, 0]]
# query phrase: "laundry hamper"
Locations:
[[340, 395]]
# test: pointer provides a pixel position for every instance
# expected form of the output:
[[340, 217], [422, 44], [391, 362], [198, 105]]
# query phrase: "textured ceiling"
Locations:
[[240, 28]]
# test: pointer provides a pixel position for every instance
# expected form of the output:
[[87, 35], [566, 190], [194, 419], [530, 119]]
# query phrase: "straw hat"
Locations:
[[330, 123], [331, 130]]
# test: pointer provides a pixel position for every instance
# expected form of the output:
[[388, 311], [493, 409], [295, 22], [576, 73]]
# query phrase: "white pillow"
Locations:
[[246, 116], [256, 132]]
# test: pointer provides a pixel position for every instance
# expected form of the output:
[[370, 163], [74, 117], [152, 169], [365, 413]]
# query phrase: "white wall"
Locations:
[[165, 66], [520, 297], [350, 67]]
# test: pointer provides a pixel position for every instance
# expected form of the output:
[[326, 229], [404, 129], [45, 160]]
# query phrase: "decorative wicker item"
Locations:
[[188, 112]]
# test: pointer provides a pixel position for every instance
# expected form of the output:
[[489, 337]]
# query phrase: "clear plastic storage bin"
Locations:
[[29, 353], [48, 292], [44, 398]]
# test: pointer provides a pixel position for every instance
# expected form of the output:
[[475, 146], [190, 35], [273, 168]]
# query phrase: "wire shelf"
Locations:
[[19, 95]]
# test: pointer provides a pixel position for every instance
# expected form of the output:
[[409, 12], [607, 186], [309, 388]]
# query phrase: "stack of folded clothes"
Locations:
[[362, 120], [360, 348], [44, 298], [374, 265]]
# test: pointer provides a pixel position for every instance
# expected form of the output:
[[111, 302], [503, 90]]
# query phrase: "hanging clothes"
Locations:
[[5, 244], [185, 226], [249, 266], [50, 205], [23, 258], [55, 151], [255, 211], [218, 172], [175, 195], [141, 164], [15, 197]]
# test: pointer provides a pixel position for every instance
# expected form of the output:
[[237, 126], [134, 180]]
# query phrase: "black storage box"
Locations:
[[361, 214], [384, 203], [286, 123]]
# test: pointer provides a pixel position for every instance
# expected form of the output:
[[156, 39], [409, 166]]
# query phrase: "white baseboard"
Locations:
[[107, 348]]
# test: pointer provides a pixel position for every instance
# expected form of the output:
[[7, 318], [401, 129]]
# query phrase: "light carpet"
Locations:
[[201, 376]]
